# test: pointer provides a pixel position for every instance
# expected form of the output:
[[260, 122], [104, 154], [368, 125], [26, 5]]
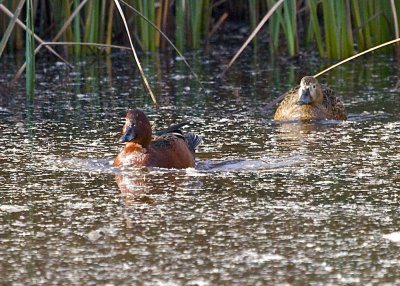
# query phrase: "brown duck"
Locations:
[[169, 149], [310, 101]]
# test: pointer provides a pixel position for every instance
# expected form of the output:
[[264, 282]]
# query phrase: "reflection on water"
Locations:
[[268, 202]]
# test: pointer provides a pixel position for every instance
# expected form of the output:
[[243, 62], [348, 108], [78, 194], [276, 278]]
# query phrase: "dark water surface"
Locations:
[[268, 203]]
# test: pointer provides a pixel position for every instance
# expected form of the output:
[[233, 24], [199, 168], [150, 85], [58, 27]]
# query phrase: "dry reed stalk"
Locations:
[[22, 25], [10, 27], [252, 35], [145, 81]]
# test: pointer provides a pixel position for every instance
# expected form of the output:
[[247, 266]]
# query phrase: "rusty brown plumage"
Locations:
[[170, 149]]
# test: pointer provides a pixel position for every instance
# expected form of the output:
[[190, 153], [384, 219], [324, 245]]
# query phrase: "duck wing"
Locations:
[[291, 96], [334, 105], [172, 129], [166, 136], [287, 105]]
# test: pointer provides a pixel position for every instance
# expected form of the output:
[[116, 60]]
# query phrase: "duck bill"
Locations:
[[305, 97], [129, 135]]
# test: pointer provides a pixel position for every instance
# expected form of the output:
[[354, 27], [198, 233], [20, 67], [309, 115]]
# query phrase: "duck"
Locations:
[[310, 101], [168, 148]]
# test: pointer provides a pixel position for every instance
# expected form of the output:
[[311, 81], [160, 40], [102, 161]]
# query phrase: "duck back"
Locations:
[[170, 151]]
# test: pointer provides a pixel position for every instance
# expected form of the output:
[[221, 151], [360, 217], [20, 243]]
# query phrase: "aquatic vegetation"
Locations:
[[333, 28], [30, 51], [146, 82]]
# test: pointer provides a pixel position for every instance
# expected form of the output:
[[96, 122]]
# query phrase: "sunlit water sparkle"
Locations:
[[267, 204]]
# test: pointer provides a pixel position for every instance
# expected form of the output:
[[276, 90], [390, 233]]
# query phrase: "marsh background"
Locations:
[[267, 203]]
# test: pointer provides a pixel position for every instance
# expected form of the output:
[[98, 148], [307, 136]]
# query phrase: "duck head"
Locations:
[[137, 128], [310, 91]]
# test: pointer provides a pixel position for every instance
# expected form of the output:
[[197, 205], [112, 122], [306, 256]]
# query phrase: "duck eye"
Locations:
[[314, 86]]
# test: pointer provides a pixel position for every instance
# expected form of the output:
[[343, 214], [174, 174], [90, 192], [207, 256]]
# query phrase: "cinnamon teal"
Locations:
[[170, 148]]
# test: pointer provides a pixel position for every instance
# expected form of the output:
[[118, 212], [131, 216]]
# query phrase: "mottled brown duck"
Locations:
[[310, 101]]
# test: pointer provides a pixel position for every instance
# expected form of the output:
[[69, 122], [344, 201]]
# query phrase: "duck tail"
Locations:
[[193, 140]]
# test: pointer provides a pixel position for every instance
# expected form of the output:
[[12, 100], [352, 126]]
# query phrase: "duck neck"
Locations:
[[145, 134]]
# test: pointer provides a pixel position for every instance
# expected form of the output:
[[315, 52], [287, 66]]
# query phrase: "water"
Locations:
[[267, 204]]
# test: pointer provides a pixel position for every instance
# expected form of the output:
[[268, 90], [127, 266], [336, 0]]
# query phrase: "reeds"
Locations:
[[11, 26], [333, 28], [145, 81], [180, 24], [30, 51], [147, 33], [77, 30]]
